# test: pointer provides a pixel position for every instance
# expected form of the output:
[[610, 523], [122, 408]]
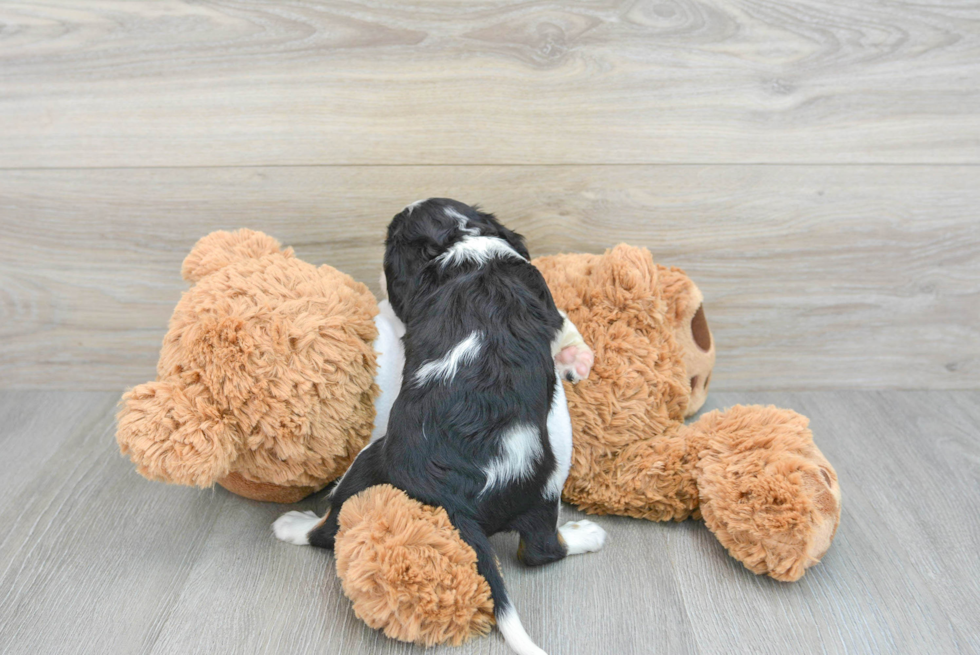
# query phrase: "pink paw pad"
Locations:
[[575, 362]]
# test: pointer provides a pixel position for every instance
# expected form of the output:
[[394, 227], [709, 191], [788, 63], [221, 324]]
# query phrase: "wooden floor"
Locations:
[[95, 559]]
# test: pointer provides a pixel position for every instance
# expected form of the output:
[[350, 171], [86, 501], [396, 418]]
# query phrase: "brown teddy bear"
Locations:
[[265, 382], [266, 386], [752, 473]]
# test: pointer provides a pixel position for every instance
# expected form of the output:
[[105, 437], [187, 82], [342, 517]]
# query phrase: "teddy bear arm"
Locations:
[[173, 435], [408, 572], [652, 478], [767, 492]]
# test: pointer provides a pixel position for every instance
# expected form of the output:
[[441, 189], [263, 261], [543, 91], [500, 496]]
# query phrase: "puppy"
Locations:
[[480, 425]]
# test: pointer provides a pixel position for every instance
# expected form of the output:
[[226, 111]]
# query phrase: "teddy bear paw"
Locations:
[[574, 362], [765, 489]]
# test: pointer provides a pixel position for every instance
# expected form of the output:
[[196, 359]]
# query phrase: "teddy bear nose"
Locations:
[[700, 331]]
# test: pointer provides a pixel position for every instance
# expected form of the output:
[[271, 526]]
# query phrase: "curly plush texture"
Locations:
[[753, 473], [766, 490], [265, 377], [626, 458], [220, 249], [408, 572]]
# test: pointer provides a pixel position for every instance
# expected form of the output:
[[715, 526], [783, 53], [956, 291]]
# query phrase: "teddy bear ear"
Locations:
[[631, 269], [686, 319], [219, 249], [174, 435]]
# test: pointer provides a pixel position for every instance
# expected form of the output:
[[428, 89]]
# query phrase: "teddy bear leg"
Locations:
[[766, 491], [392, 551]]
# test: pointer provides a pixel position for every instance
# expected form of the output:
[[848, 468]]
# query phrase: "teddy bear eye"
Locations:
[[700, 331]]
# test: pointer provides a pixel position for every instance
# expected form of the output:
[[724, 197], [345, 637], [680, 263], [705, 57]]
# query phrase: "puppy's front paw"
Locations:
[[574, 362], [294, 527], [582, 537]]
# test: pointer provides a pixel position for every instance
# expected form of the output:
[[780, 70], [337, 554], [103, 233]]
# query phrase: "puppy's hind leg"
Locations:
[[306, 528], [542, 541], [538, 527]]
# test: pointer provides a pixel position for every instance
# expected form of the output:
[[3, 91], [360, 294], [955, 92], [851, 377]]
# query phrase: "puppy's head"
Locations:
[[422, 232]]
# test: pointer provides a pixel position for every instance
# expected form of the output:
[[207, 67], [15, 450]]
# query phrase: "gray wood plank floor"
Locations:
[[95, 559]]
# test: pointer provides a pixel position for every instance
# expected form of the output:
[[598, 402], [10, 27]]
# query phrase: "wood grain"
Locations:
[[91, 555], [97, 559], [891, 451], [815, 276], [173, 83]]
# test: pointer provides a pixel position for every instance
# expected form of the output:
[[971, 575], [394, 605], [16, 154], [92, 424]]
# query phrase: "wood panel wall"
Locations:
[[814, 166]]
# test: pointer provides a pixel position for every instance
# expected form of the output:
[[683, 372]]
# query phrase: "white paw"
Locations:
[[293, 527], [582, 537], [574, 362]]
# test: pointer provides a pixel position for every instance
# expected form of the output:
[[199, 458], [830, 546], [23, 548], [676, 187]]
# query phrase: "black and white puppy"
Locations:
[[480, 425]]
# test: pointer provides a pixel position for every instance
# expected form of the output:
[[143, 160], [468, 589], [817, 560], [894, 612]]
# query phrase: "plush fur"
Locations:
[[637, 393], [265, 382], [408, 572], [754, 473], [766, 490]]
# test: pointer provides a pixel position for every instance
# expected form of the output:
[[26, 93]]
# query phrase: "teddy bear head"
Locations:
[[646, 324], [265, 378]]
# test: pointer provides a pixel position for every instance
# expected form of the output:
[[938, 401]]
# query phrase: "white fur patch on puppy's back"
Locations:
[[445, 367], [477, 249], [410, 207], [462, 220], [560, 438], [520, 448]]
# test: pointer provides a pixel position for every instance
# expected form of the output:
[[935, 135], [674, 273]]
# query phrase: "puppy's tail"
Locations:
[[486, 563]]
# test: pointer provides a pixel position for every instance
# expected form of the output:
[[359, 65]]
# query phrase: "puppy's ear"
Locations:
[[491, 227], [398, 278]]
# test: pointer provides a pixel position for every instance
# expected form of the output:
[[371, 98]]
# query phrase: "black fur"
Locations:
[[442, 436]]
